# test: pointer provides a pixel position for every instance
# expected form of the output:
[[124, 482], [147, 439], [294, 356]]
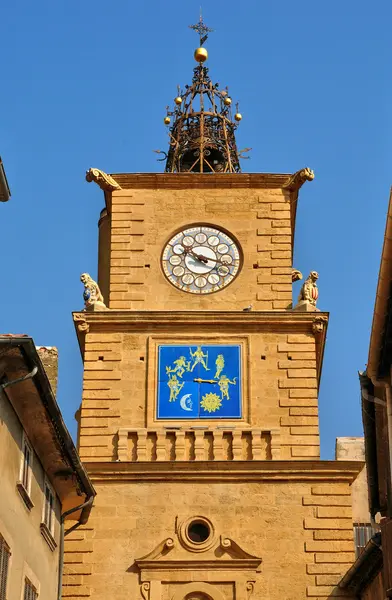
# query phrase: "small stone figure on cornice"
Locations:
[[308, 295], [93, 299], [296, 275]]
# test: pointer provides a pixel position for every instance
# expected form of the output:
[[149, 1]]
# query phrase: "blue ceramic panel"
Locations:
[[199, 381]]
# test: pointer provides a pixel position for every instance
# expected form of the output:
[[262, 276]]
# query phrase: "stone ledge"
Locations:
[[277, 470], [201, 181], [271, 321]]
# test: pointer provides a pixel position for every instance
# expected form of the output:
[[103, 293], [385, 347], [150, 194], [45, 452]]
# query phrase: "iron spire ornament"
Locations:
[[202, 128], [201, 29]]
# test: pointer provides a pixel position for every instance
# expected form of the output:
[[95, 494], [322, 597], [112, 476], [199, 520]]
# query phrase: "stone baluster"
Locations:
[[180, 446], [141, 449], [237, 445], [199, 445], [257, 448], [122, 445], [161, 445], [218, 444]]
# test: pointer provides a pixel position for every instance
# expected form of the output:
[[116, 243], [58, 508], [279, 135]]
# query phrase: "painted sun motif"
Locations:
[[211, 402]]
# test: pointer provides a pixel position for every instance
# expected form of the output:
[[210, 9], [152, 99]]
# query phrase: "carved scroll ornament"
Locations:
[[145, 590], [298, 179], [296, 275], [106, 182], [250, 588], [81, 322]]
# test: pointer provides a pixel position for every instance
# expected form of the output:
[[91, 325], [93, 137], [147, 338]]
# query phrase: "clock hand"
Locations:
[[202, 258], [216, 260], [199, 257]]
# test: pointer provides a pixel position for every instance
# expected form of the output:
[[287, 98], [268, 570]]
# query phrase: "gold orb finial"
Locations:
[[238, 116], [227, 101], [178, 100], [201, 54], [166, 120]]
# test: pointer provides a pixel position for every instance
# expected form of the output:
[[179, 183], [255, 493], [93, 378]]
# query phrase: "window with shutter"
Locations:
[[363, 532], [48, 512], [27, 461], [30, 593], [24, 483], [4, 561], [48, 516], [26, 465]]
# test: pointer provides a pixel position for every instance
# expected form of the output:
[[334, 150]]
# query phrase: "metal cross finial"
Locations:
[[201, 29]]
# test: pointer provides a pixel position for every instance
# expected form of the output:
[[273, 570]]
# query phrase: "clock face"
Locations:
[[201, 260]]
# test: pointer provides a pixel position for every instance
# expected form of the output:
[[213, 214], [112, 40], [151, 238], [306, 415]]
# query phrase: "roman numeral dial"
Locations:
[[201, 260]]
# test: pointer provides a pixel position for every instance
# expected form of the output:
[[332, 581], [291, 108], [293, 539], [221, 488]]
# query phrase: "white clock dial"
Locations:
[[201, 259]]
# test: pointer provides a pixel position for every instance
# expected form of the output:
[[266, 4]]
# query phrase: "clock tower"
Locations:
[[198, 423]]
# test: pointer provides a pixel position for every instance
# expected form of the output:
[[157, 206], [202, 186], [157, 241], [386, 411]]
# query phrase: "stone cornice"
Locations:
[[161, 558], [273, 471], [169, 321], [210, 180], [200, 565], [121, 320]]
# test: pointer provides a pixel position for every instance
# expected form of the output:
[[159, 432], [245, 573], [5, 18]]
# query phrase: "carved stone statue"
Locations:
[[93, 299], [308, 295]]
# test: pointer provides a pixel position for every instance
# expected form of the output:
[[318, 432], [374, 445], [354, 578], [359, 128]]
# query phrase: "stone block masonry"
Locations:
[[273, 520], [119, 392], [281, 523], [142, 221]]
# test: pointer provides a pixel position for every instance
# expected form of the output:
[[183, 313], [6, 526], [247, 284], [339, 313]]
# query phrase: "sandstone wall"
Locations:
[[302, 531], [143, 221], [279, 389]]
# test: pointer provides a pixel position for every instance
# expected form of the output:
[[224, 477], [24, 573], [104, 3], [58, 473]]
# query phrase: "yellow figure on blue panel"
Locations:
[[211, 402], [220, 363], [182, 365], [223, 383], [199, 357], [175, 387]]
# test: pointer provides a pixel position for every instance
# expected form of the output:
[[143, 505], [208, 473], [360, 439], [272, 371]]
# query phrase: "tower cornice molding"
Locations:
[[121, 320], [268, 470], [291, 182]]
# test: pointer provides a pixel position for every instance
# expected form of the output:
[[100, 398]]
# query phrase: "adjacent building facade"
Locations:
[[45, 490], [371, 577], [199, 418], [364, 525]]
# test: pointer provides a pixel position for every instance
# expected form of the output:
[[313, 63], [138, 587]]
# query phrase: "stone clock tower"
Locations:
[[198, 423]]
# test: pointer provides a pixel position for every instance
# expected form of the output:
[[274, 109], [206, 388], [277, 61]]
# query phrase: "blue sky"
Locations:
[[86, 84]]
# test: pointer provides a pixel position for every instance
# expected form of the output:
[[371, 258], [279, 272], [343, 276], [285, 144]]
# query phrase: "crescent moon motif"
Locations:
[[186, 403]]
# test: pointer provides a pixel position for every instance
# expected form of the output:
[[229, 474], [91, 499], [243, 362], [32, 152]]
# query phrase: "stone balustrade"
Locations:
[[198, 443]]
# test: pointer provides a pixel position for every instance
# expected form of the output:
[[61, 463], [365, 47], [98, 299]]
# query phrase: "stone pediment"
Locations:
[[224, 554]]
